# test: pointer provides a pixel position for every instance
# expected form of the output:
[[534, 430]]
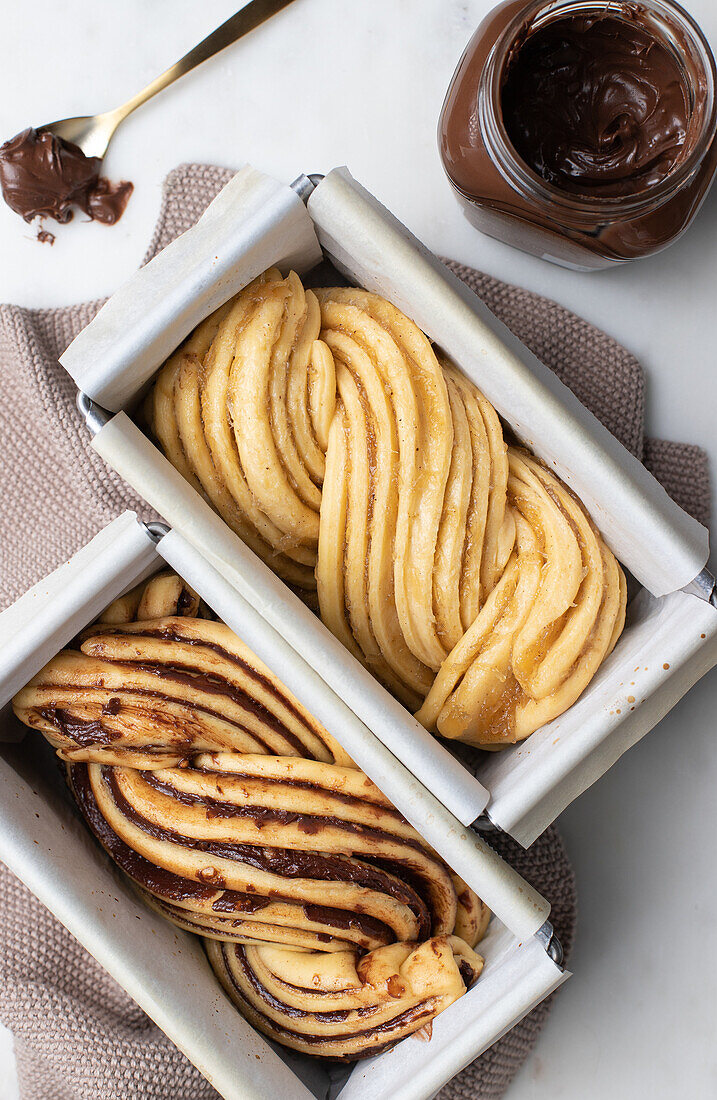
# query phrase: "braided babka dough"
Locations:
[[255, 444], [334, 1006], [329, 435], [239, 818], [150, 694]]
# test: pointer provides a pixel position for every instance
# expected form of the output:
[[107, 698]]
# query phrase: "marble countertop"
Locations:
[[330, 82]]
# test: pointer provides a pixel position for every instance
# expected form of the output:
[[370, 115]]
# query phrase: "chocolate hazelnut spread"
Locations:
[[41, 175], [597, 103], [582, 131]]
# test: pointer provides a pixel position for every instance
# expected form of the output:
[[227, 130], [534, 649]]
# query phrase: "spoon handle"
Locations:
[[236, 26]]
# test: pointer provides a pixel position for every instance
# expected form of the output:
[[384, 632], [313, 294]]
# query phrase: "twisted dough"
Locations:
[[332, 1006], [319, 904], [242, 409], [327, 432], [152, 694], [265, 849], [240, 819], [545, 629]]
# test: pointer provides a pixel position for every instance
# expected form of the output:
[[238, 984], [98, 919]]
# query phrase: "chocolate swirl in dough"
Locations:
[[327, 432], [330, 922], [266, 849], [151, 694], [334, 1006], [286, 865]]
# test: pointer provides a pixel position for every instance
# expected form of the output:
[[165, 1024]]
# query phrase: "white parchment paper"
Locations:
[[254, 223], [515, 974], [140, 463], [659, 543], [54, 610], [520, 908], [667, 645]]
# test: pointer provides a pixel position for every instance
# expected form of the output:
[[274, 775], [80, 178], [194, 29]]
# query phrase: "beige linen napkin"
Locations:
[[78, 1035]]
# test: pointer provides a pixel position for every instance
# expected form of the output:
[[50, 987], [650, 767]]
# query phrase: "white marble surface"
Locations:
[[331, 82]]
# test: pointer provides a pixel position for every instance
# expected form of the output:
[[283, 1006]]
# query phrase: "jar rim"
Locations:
[[519, 174]]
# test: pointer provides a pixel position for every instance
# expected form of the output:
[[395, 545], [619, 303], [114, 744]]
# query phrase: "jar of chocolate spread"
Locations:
[[583, 131]]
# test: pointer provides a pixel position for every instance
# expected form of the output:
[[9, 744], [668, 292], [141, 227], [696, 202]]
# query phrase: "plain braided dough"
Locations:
[[375, 479]]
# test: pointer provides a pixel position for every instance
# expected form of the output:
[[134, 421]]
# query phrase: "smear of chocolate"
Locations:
[[41, 175], [467, 973], [86, 733]]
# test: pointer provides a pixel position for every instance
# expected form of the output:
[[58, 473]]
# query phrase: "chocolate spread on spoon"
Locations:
[[42, 175], [597, 104]]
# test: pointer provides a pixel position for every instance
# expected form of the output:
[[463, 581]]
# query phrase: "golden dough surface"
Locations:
[[375, 478]]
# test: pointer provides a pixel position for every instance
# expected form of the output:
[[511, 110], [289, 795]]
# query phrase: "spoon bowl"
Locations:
[[92, 133]]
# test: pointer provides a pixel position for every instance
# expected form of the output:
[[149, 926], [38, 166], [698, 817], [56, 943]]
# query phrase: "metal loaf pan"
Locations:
[[46, 844], [671, 635]]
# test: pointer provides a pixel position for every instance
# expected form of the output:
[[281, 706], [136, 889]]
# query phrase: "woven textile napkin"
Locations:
[[78, 1036]]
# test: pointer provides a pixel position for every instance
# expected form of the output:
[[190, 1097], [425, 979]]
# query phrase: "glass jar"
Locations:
[[505, 198]]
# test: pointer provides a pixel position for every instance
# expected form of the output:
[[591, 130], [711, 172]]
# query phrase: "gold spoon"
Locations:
[[93, 133]]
